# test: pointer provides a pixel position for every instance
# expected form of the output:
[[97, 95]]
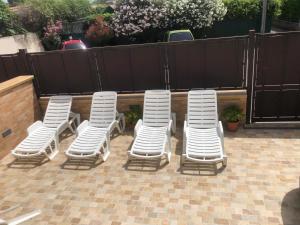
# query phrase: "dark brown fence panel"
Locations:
[[212, 63], [131, 68], [276, 88], [276, 105], [72, 72], [278, 59], [148, 68], [115, 70], [11, 65]]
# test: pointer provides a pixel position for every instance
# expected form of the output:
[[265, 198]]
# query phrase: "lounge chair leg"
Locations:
[[169, 150], [71, 128], [224, 162], [53, 151], [56, 145], [106, 151], [105, 155], [168, 154], [129, 156], [121, 123], [182, 160]]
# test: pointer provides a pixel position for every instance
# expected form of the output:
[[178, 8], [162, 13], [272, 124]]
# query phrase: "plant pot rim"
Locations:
[[233, 122]]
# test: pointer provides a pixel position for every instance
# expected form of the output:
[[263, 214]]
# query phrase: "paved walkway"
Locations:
[[259, 186]]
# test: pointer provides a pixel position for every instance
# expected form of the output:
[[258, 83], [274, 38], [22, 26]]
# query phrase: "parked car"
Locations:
[[179, 35], [73, 44]]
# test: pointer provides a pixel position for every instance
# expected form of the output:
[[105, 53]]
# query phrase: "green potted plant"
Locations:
[[232, 115], [133, 115]]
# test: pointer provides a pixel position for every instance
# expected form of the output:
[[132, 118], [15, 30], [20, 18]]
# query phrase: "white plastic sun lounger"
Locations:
[[20, 219], [203, 139], [152, 135], [43, 137], [94, 135]]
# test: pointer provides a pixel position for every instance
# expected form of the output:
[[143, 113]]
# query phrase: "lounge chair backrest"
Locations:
[[58, 111], [103, 110], [202, 109], [157, 108]]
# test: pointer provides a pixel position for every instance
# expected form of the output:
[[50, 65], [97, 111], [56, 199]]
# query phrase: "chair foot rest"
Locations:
[[26, 156]]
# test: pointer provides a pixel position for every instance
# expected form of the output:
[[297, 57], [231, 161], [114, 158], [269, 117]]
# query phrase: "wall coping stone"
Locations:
[[175, 94], [14, 82]]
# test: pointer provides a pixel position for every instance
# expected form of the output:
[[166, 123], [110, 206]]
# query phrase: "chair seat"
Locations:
[[150, 140], [88, 143], [36, 141], [203, 143]]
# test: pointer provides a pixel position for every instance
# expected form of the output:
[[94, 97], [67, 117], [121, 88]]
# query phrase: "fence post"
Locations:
[[22, 54], [250, 75], [24, 57]]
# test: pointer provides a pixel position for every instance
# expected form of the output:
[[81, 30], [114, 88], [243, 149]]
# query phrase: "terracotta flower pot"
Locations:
[[233, 126]]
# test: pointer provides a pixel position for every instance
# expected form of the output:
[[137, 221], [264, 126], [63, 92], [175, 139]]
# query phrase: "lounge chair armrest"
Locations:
[[137, 126], [221, 133], [220, 129], [184, 127], [111, 126], [173, 116], [34, 126], [74, 117], [121, 122], [82, 126], [170, 126], [62, 126]]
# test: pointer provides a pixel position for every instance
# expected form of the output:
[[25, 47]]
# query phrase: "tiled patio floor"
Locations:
[[259, 186]]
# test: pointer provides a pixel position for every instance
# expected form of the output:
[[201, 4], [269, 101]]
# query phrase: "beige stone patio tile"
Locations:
[[259, 186]]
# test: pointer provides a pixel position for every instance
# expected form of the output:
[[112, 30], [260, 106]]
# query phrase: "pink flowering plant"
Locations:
[[52, 31], [136, 16]]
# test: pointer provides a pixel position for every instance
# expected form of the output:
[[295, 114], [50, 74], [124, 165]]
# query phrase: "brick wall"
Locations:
[[82, 104], [19, 108]]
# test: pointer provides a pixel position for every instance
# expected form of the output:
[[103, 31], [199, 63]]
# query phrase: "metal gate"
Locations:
[[274, 77]]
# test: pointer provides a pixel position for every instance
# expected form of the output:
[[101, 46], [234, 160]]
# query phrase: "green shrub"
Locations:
[[290, 10], [250, 9], [99, 33], [65, 10], [194, 14], [9, 24], [14, 2], [232, 114], [51, 39], [133, 115], [31, 19], [92, 18]]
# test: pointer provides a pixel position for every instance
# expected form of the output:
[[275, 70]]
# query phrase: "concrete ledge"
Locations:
[[274, 125], [14, 82]]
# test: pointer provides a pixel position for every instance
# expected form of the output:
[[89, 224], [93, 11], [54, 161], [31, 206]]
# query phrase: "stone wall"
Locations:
[[82, 104], [19, 108], [12, 44]]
